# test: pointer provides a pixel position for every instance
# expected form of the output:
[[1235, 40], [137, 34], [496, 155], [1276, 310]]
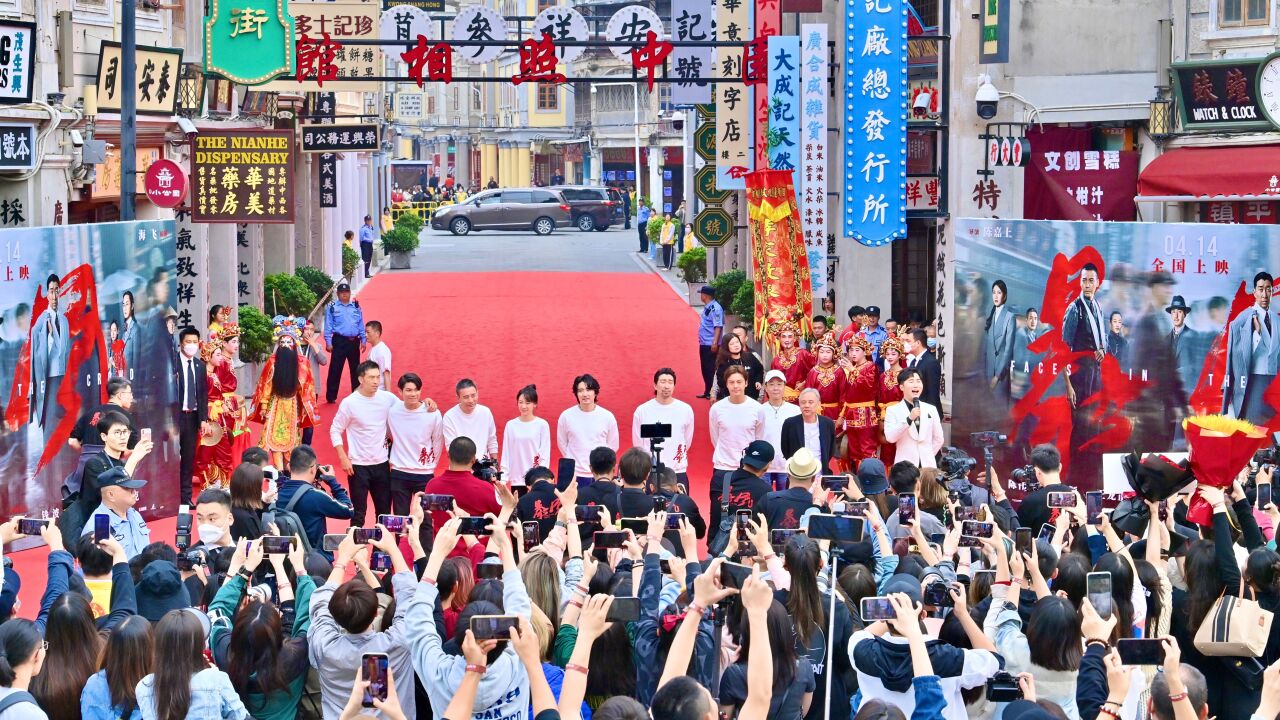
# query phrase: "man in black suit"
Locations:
[[810, 426], [193, 408], [916, 344]]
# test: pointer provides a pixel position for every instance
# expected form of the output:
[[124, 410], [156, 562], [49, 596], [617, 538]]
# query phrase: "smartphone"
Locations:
[[331, 541], [938, 594], [856, 508], [397, 524], [376, 673], [840, 528], [588, 513], [144, 435], [609, 539], [438, 503], [673, 521], [1264, 495], [901, 547], [101, 527], [740, 518], [31, 526], [1093, 507], [906, 508], [965, 512], [362, 536], [835, 483], [1047, 531], [276, 544], [660, 503], [639, 526], [488, 571], [877, 608], [531, 532], [1062, 499], [1022, 540], [565, 471], [473, 525], [1164, 504], [779, 537], [1097, 588], [665, 566], [379, 561], [977, 529], [493, 627], [733, 575], [624, 609], [1140, 651]]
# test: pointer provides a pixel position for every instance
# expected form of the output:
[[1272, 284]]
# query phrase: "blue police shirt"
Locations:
[[367, 234], [130, 531], [876, 336], [712, 318], [343, 319], [643, 214]]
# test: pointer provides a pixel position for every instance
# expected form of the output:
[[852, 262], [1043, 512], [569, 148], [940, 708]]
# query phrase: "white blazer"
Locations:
[[916, 446]]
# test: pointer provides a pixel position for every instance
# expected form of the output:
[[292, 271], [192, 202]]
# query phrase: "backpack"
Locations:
[[718, 543], [287, 521], [15, 698]]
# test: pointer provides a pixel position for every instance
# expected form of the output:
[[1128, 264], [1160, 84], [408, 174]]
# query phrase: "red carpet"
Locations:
[[505, 330]]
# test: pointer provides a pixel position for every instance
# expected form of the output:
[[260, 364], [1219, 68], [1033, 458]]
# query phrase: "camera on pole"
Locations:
[[655, 433]]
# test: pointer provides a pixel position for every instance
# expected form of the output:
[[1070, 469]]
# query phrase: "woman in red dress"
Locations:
[[827, 378], [116, 365], [216, 460], [861, 414], [792, 361], [887, 391]]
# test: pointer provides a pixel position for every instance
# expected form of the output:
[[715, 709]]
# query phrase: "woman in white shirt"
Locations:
[[734, 422], [913, 426], [526, 440]]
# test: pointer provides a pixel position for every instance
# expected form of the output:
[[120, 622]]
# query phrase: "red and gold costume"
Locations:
[[889, 393], [828, 380], [283, 418], [861, 414], [116, 365], [795, 363], [214, 462]]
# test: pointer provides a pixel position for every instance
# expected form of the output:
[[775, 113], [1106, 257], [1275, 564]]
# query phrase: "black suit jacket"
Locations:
[[931, 370], [201, 389], [793, 438]]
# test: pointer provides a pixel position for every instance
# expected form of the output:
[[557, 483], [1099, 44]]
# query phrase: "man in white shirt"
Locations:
[[417, 442], [773, 413], [472, 420], [362, 416], [585, 427], [379, 352], [665, 408]]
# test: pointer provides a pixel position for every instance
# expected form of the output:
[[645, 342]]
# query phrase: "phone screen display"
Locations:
[[474, 525], [673, 521], [877, 608], [276, 544], [972, 530], [331, 542], [835, 483], [609, 539], [1098, 590], [493, 627], [438, 503], [1264, 495], [101, 527], [781, 536], [1046, 532], [1061, 499], [398, 524], [1022, 540], [376, 673], [624, 609], [840, 528], [532, 535], [906, 508], [1093, 507], [362, 536], [379, 561], [31, 526], [565, 471], [856, 508], [588, 513], [1140, 651], [733, 575]]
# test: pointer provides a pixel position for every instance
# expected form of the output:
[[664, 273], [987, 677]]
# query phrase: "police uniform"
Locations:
[[344, 332]]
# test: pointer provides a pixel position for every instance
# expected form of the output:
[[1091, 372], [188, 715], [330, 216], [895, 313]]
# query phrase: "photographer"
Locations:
[[321, 495], [473, 495], [678, 500], [603, 489]]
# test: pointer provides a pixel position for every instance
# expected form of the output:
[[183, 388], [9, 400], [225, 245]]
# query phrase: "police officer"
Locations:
[[344, 338]]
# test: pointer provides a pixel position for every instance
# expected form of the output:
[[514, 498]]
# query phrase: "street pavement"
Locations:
[[565, 250]]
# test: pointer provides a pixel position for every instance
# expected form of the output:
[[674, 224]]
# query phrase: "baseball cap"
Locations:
[[775, 375], [708, 290], [871, 477], [9, 595], [906, 584], [117, 477], [758, 455]]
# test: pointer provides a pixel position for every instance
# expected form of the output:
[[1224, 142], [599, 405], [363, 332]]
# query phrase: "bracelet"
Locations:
[[429, 580], [1179, 696], [1096, 641], [477, 669], [561, 524], [582, 589], [696, 608], [576, 668], [1006, 583], [1104, 710], [576, 603], [340, 566], [767, 558]]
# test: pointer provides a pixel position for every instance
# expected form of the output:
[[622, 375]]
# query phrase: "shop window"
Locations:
[[913, 276], [1244, 13], [548, 96], [431, 105]]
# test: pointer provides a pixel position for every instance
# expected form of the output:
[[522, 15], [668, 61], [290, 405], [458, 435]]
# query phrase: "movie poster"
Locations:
[[79, 304], [1101, 337]]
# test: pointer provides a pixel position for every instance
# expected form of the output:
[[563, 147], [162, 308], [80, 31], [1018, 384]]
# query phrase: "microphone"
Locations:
[[912, 405]]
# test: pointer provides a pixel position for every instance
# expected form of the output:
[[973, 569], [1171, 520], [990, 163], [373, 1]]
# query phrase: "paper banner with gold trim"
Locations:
[[783, 289]]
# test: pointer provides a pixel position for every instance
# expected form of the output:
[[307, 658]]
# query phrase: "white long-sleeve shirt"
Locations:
[[771, 419], [733, 426], [578, 433], [680, 416], [525, 445], [417, 438], [364, 421], [478, 426]]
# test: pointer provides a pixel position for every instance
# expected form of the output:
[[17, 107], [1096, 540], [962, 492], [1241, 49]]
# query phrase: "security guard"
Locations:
[[344, 338]]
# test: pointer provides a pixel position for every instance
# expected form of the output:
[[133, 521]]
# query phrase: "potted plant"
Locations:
[[399, 243], [693, 268], [316, 279], [285, 294], [255, 334], [726, 285], [744, 304], [350, 258]]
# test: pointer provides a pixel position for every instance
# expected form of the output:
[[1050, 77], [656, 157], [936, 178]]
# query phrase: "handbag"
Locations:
[[718, 543], [1246, 670], [1235, 627]]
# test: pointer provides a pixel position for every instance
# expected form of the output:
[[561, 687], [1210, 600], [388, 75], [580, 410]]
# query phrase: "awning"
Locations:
[[1200, 174]]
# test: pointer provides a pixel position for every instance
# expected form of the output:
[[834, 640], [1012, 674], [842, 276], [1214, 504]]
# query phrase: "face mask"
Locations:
[[190, 349], [210, 534], [933, 342]]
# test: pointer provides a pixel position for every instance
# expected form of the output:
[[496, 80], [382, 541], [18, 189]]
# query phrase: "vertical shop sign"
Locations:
[[329, 180], [735, 115], [813, 141], [692, 20]]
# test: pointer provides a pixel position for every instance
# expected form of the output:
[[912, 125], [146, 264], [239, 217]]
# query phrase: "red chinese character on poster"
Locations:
[[755, 65], [650, 55], [538, 61], [316, 59], [437, 59]]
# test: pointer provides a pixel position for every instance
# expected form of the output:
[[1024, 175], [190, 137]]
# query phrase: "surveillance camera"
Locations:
[[77, 139], [988, 99], [920, 108], [187, 126]]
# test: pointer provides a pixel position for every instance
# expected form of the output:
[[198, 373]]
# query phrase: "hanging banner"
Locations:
[[478, 23], [563, 23], [632, 24], [157, 78], [875, 121], [18, 61], [328, 65], [242, 176], [405, 23], [357, 137], [693, 20], [249, 41], [782, 288], [734, 109], [783, 135], [767, 22], [328, 180], [813, 178], [995, 32]]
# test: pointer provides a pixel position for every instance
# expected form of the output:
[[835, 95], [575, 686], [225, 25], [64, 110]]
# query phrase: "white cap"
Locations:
[[775, 375]]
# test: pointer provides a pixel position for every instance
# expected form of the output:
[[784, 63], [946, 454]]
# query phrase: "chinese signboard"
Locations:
[[1218, 95], [563, 23], [17, 147], [406, 23], [631, 24], [1082, 185], [340, 138], [783, 134], [242, 176], [755, 70], [17, 61], [193, 293], [326, 64], [478, 23], [249, 41], [1250, 212], [713, 227], [923, 192], [157, 78], [995, 32], [875, 121], [328, 180], [408, 105], [692, 20], [734, 110], [165, 184], [813, 133], [106, 183]]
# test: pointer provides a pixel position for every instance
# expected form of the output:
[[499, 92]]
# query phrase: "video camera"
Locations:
[[955, 463], [1025, 476], [988, 439], [486, 469], [182, 535]]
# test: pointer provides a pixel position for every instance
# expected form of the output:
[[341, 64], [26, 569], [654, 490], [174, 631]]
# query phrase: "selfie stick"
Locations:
[[655, 448], [831, 637]]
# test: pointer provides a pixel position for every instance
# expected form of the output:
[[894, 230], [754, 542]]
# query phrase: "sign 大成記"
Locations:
[[156, 76], [242, 176], [785, 111]]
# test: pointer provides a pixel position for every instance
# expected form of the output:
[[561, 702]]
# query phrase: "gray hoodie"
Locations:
[[504, 689]]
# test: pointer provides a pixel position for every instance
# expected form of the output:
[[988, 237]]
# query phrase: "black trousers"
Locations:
[[369, 480], [403, 487], [644, 236], [666, 256], [706, 354], [307, 435], [188, 440], [346, 351], [366, 254]]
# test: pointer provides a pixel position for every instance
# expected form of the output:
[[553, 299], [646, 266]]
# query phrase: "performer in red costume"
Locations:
[[887, 391], [219, 452], [861, 414], [828, 378], [792, 361]]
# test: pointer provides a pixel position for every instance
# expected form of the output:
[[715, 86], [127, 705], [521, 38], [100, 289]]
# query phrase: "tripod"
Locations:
[[654, 480]]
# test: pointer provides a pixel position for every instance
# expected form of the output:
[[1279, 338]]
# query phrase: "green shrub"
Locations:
[[316, 279], [399, 239], [255, 334], [693, 265], [350, 259], [726, 285], [744, 304], [412, 222], [654, 229], [285, 294]]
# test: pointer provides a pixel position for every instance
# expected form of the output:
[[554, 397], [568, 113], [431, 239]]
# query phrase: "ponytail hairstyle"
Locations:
[[19, 641], [804, 561], [1262, 570]]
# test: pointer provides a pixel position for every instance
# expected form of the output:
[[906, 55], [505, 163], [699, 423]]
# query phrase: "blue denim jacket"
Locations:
[[95, 701], [212, 696]]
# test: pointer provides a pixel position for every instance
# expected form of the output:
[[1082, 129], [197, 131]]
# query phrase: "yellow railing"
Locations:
[[423, 210]]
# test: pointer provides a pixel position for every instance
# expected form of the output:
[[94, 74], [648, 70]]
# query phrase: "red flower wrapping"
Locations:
[[1219, 447]]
